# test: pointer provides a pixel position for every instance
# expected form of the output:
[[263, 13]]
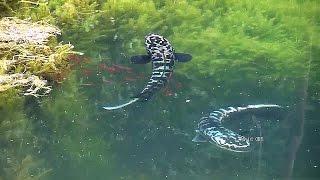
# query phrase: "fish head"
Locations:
[[158, 47], [227, 139]]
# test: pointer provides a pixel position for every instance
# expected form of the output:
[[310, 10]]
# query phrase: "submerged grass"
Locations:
[[231, 34], [30, 56], [243, 51]]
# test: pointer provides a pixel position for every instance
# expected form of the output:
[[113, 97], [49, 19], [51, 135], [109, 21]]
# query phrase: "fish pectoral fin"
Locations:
[[199, 138], [182, 57], [140, 59]]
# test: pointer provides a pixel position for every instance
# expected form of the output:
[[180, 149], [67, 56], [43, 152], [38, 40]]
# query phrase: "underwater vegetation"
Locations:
[[18, 142], [248, 42], [243, 52], [30, 56]]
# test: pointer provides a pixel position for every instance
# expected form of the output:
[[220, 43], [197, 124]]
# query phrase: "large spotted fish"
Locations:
[[210, 128], [162, 55]]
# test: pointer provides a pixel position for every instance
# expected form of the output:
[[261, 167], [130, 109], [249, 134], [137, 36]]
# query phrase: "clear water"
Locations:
[[68, 135]]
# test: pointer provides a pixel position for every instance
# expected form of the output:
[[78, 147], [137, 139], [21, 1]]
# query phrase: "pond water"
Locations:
[[68, 135]]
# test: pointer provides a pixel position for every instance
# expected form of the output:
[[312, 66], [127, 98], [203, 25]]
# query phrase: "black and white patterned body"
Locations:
[[162, 58], [210, 128]]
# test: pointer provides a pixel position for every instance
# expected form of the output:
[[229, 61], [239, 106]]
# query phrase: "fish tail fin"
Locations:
[[121, 105], [257, 106]]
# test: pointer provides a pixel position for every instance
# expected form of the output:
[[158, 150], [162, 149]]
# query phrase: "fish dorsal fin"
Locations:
[[140, 59], [182, 57]]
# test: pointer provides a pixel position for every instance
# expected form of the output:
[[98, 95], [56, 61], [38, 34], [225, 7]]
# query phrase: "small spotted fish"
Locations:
[[210, 128], [162, 55]]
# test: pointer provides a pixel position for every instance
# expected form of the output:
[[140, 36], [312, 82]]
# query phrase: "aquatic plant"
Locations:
[[75, 142], [243, 52], [18, 141], [27, 169], [241, 42], [30, 55]]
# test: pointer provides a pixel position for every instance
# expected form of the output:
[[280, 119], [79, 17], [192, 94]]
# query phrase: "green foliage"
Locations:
[[237, 34], [250, 43], [27, 169], [29, 54], [243, 51], [75, 136], [7, 7], [18, 141]]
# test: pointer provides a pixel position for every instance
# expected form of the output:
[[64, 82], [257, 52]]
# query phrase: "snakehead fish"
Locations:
[[162, 56], [210, 128]]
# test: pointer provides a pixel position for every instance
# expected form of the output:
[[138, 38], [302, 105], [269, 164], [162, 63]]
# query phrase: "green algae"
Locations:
[[27, 169], [243, 49], [73, 122], [229, 32], [30, 56], [18, 142]]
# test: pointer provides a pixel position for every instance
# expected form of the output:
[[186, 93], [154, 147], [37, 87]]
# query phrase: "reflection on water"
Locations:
[[256, 54]]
